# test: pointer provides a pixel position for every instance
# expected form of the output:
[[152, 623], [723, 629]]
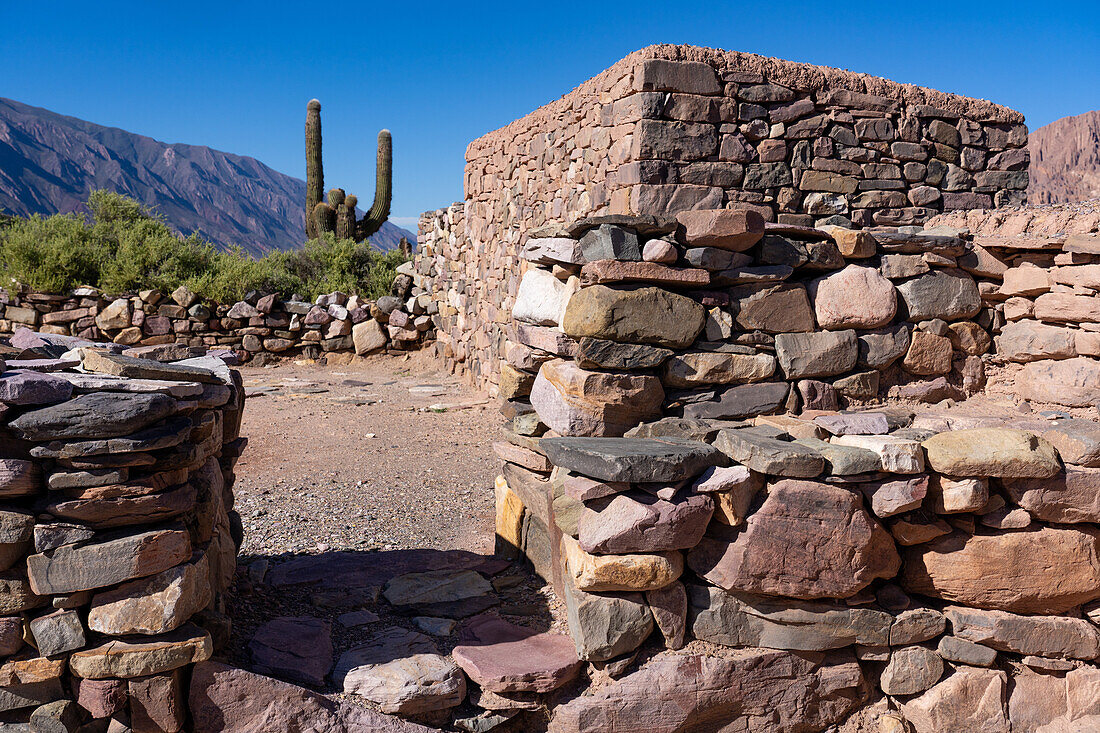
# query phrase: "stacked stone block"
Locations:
[[696, 451], [676, 128], [260, 324], [118, 535]]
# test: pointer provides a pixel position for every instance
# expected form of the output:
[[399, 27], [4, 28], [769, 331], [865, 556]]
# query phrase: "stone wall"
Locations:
[[119, 539], [697, 451], [672, 128], [261, 324]]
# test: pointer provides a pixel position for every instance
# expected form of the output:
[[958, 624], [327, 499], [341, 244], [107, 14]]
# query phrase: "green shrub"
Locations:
[[124, 247]]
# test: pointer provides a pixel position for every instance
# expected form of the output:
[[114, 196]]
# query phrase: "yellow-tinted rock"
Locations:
[[598, 573], [509, 535]]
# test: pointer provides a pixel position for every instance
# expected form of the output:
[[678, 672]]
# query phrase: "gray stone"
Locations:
[[402, 672], [610, 242], [948, 294], [764, 454], [911, 670], [97, 415], [447, 593], [961, 651], [818, 354], [606, 625], [551, 250], [776, 309], [854, 423], [841, 460], [631, 459], [595, 353], [57, 632], [168, 434], [743, 400], [741, 619], [880, 348]]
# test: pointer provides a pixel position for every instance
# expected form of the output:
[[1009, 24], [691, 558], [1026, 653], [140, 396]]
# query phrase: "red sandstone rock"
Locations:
[[731, 229], [969, 700], [616, 271], [642, 523], [503, 657], [808, 540]]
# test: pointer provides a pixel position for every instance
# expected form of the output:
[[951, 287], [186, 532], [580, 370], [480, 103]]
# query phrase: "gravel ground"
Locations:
[[351, 457]]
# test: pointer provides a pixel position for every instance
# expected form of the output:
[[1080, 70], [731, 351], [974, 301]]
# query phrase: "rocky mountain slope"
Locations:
[[1065, 160], [49, 163]]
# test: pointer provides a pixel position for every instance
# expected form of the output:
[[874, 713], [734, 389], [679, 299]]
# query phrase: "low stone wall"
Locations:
[[929, 555], [119, 539], [261, 324]]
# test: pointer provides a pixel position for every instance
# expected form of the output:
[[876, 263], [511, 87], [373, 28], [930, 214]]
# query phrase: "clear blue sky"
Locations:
[[236, 75]]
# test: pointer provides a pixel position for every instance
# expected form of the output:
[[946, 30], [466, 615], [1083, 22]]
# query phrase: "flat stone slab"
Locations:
[[298, 648], [19, 387], [1048, 636], [843, 460], [632, 459], [743, 400], [992, 452], [615, 271], [854, 423], [641, 523], [503, 657], [43, 365], [127, 366], [107, 383], [344, 570], [754, 448], [169, 434], [448, 593], [141, 656], [96, 415]]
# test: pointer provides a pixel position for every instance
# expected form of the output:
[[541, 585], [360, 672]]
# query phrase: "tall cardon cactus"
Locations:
[[338, 214]]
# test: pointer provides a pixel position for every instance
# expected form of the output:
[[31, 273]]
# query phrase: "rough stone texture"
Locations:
[[911, 670], [669, 606], [299, 648], [997, 452], [641, 523], [819, 354], [768, 455], [643, 316], [1071, 382], [1046, 636], [619, 572], [1008, 571], [634, 459], [757, 690], [143, 656], [1067, 498], [807, 540], [945, 294], [74, 568], [855, 297], [503, 657], [96, 415], [969, 699], [606, 625], [576, 402]]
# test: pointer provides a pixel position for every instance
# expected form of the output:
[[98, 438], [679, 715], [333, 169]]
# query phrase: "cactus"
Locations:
[[315, 176], [338, 214], [324, 218], [345, 218], [383, 189]]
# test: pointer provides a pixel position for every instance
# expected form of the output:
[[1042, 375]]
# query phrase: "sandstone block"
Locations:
[[855, 297], [732, 229], [629, 572], [646, 316], [998, 452], [818, 354], [573, 401]]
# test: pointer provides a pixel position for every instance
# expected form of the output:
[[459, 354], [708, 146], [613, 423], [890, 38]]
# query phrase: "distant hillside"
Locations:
[[49, 163], [1065, 160]]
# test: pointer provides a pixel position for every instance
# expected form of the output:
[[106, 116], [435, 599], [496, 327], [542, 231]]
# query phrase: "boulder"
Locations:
[[733, 229], [996, 452], [606, 625], [368, 337], [1008, 570], [961, 651], [644, 316], [969, 699], [714, 367], [1067, 498], [950, 295], [741, 619], [818, 354], [642, 523], [602, 354], [915, 625], [855, 297], [911, 670], [577, 402], [1070, 382], [225, 699], [807, 540], [541, 298], [610, 242], [762, 453], [776, 309], [928, 354], [629, 572], [115, 316], [1044, 636], [758, 690]]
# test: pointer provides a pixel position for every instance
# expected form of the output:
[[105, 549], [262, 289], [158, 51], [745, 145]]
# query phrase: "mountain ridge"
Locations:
[[49, 162], [1065, 160]]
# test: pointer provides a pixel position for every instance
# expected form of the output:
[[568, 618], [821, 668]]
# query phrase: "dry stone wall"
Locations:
[[688, 464], [674, 128], [118, 536], [259, 325]]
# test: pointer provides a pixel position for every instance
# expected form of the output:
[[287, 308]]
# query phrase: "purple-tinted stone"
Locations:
[[854, 423], [297, 648], [670, 606], [503, 657], [44, 365], [641, 523], [19, 387]]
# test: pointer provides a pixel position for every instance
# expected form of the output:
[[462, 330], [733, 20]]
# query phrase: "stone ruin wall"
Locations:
[[260, 325], [671, 128], [119, 539]]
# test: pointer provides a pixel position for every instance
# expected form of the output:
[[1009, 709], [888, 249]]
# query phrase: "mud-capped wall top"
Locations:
[[671, 128]]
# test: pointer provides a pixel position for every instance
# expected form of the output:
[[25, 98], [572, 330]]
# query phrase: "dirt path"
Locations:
[[350, 457]]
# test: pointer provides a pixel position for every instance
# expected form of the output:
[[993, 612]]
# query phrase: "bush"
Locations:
[[124, 247]]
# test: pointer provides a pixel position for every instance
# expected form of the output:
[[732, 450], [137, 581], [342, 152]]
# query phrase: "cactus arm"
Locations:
[[383, 189], [324, 218], [315, 176]]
